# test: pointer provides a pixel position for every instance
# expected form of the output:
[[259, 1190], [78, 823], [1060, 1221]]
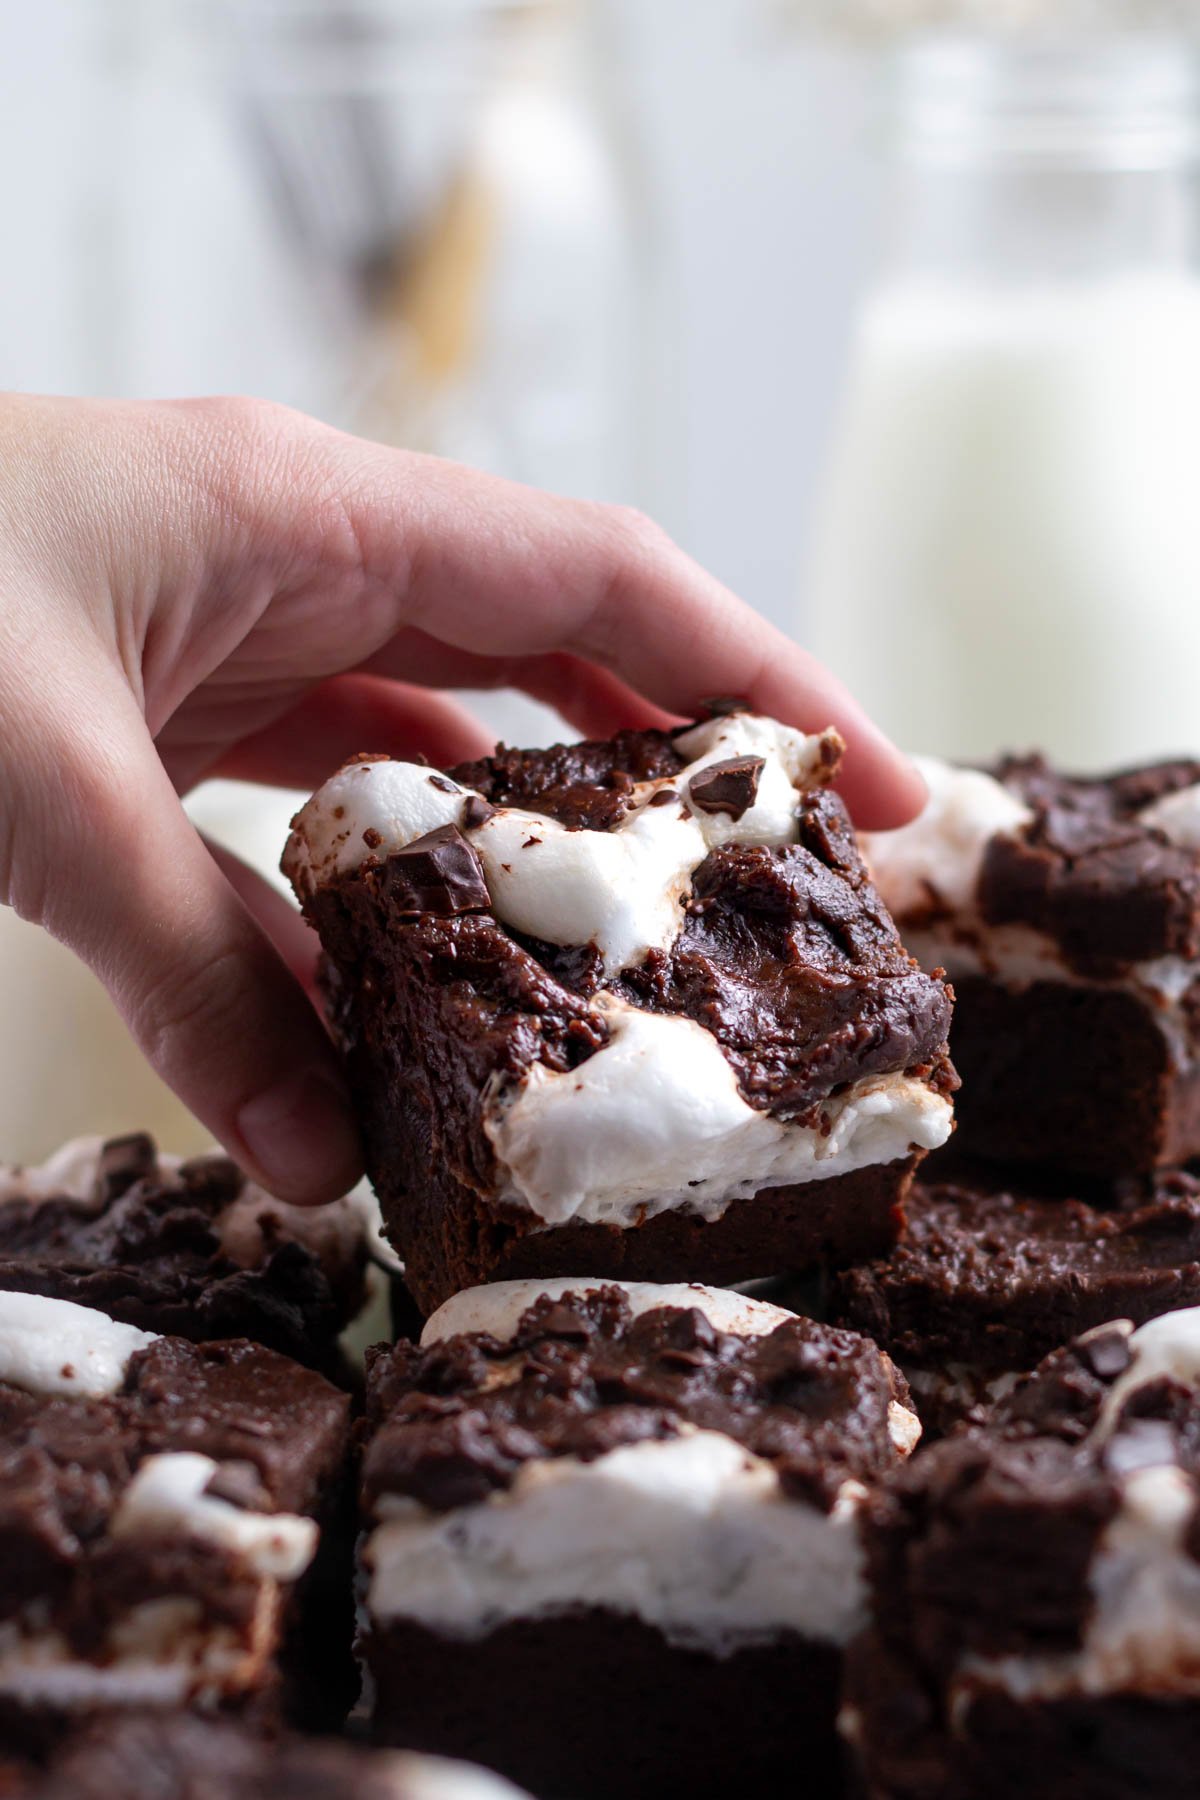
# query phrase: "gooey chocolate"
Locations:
[[457, 1421]]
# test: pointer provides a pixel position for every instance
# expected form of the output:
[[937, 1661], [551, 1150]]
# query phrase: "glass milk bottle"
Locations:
[[1008, 547]]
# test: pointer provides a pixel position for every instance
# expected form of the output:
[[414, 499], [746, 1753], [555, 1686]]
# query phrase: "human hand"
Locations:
[[228, 588]]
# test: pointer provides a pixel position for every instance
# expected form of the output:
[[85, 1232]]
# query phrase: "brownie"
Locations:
[[186, 1248], [989, 1278], [623, 1008], [1035, 1588], [162, 1506], [1066, 911], [640, 1504], [182, 1757]]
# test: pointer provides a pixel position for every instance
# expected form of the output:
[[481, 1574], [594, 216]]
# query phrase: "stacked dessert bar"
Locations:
[[623, 1019], [1066, 912]]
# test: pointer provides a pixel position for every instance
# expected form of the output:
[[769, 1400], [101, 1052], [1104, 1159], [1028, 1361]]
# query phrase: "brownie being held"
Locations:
[[639, 1503], [1067, 914], [622, 1008], [1036, 1589]]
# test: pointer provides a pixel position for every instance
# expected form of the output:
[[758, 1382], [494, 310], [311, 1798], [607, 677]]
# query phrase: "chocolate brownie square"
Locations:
[[611, 1534], [990, 1277], [185, 1248], [1035, 1589], [161, 1513], [181, 1757], [628, 1008], [1067, 914]]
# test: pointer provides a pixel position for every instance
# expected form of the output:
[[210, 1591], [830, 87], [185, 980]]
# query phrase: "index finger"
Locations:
[[498, 570]]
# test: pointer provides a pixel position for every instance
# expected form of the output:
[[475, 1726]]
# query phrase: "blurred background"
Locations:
[[889, 310]]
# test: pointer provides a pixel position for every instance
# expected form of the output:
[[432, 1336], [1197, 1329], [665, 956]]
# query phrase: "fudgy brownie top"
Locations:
[[985, 1544], [785, 953], [454, 1422], [997, 1279], [276, 1431], [1088, 870], [186, 1758], [152, 1242]]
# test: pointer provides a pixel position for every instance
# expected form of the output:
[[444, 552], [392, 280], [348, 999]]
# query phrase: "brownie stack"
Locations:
[[622, 1019], [1066, 912]]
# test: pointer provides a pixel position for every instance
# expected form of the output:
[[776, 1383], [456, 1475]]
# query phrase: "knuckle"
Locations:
[[640, 534], [190, 1015]]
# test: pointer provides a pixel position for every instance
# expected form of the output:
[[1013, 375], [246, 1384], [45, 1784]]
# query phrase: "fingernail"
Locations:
[[301, 1137]]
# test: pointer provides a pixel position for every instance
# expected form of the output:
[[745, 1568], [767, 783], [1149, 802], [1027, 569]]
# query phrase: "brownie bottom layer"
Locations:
[[1107, 1747], [449, 1243], [1073, 1077], [595, 1704]]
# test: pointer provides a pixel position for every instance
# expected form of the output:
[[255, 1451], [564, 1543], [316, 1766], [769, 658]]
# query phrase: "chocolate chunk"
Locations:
[[442, 784], [477, 812], [1106, 1352], [663, 797], [123, 1161], [727, 787], [438, 873], [239, 1484]]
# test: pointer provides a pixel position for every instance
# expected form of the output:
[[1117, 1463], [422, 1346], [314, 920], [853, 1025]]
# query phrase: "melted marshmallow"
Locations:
[[1164, 1348], [419, 1777], [936, 861], [692, 1534], [1144, 1630], [622, 890], [656, 1121], [167, 1497], [158, 1654], [498, 1307], [1177, 816], [55, 1347]]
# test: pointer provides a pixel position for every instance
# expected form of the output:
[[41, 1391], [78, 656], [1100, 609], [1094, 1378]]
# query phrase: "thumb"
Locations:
[[114, 868]]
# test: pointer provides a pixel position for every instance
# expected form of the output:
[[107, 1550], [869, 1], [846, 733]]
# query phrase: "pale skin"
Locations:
[[226, 587]]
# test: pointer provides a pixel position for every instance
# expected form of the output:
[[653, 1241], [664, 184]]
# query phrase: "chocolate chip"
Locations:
[[530, 842], [438, 873], [123, 1161], [663, 797], [727, 787], [372, 838], [1105, 1352], [442, 784], [477, 812], [238, 1484]]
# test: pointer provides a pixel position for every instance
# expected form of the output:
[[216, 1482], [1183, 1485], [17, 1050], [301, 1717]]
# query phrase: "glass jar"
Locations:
[[1008, 547], [409, 217]]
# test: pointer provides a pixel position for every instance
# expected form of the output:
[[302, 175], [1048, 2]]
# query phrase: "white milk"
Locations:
[[1009, 547]]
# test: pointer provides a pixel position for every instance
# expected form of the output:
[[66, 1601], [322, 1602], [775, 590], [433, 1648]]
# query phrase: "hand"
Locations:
[[228, 588]]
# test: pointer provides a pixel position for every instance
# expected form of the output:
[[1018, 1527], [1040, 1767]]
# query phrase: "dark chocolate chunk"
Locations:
[[1106, 1352], [123, 1161], [663, 797], [443, 785], [438, 873], [477, 812], [727, 787]]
